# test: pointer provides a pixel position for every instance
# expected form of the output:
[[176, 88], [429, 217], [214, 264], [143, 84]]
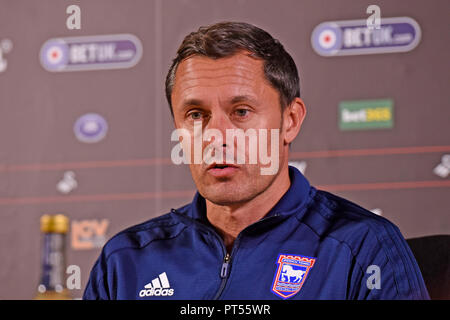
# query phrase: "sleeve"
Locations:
[[384, 267], [96, 288]]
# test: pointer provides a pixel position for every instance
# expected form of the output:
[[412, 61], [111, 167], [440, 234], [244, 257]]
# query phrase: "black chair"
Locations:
[[433, 257]]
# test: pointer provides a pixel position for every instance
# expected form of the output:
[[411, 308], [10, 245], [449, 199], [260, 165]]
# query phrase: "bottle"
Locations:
[[53, 264]]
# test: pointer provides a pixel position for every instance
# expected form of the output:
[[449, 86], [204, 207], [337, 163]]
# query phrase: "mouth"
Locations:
[[222, 170], [221, 166]]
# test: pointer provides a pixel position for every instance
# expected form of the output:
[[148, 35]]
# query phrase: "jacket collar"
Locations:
[[293, 201]]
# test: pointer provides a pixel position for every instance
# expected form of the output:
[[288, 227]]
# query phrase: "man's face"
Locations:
[[227, 94]]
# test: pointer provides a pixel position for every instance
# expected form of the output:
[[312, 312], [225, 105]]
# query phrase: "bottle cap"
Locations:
[[46, 223], [58, 223]]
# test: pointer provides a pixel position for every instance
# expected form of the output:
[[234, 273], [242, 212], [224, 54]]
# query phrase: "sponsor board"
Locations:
[[353, 37], [91, 53], [90, 128], [89, 233], [366, 114]]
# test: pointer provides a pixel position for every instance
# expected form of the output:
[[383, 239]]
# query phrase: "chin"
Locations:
[[242, 187], [226, 196]]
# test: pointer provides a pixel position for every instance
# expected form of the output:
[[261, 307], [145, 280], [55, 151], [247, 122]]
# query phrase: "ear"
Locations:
[[293, 117]]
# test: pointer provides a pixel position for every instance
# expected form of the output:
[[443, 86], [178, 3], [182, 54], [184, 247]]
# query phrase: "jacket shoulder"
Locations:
[[350, 223], [372, 240], [140, 235]]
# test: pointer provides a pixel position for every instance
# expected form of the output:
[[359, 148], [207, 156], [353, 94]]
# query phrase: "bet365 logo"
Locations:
[[366, 114]]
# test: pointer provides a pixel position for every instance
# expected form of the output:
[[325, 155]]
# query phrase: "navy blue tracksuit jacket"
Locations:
[[311, 245]]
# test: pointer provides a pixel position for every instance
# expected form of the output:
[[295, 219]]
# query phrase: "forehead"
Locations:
[[236, 74]]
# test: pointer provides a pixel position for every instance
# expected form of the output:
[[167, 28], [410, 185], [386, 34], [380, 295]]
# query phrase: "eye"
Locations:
[[195, 115], [241, 112]]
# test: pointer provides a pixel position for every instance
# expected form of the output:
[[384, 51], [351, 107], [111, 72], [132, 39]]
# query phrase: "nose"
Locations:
[[219, 120]]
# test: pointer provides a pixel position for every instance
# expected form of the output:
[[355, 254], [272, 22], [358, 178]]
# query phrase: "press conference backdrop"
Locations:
[[85, 128]]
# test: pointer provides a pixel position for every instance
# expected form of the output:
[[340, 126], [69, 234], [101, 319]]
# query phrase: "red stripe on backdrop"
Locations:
[[98, 197], [385, 185], [180, 194], [368, 152]]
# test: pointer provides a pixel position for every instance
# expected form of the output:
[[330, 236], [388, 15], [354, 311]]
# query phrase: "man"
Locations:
[[250, 233]]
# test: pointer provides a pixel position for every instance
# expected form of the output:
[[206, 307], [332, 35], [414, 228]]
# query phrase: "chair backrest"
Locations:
[[433, 257]]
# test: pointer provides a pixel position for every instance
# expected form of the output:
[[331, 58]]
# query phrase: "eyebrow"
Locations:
[[233, 100], [192, 102], [242, 98]]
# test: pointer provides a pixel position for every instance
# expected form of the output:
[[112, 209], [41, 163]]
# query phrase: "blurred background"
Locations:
[[85, 127]]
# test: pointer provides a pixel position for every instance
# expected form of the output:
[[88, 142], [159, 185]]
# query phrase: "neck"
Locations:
[[230, 220]]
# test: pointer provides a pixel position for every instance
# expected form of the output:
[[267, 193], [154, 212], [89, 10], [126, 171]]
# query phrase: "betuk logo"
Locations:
[[371, 36], [214, 153], [101, 52]]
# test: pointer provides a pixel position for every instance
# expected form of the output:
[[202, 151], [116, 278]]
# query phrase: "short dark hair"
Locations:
[[228, 38]]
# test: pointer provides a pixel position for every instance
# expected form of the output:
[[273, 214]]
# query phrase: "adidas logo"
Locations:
[[159, 286]]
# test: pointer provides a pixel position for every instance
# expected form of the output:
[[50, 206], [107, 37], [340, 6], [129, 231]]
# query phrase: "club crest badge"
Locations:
[[291, 274]]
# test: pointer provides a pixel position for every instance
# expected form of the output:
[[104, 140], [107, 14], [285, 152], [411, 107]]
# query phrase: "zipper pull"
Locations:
[[225, 264]]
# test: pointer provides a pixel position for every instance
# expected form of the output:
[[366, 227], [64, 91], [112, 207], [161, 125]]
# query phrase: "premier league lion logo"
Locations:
[[291, 274]]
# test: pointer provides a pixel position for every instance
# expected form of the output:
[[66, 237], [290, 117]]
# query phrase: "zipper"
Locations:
[[227, 259], [226, 267], [223, 275], [225, 270], [225, 264]]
